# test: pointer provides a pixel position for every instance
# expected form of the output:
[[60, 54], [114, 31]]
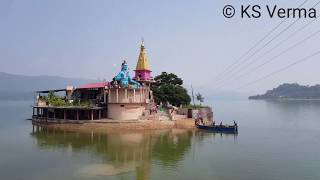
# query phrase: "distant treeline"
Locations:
[[291, 91]]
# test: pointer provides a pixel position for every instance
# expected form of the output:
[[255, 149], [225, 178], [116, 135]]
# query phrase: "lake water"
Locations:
[[276, 140]]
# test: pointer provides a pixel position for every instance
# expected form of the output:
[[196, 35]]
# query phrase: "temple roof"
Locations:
[[94, 85], [143, 63]]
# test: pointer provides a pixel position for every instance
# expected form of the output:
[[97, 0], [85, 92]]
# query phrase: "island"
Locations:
[[138, 102], [291, 91]]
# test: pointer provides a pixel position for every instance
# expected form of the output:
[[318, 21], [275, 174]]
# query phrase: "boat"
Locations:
[[219, 128]]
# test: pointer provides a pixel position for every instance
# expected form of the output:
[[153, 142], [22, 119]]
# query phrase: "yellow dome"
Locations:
[[143, 63]]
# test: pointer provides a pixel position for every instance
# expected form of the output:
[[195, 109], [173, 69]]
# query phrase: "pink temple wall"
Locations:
[[142, 74]]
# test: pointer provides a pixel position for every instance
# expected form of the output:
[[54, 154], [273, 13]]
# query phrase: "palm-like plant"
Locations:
[[200, 98]]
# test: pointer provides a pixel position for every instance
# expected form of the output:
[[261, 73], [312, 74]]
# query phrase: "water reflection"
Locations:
[[121, 153], [293, 105], [298, 113], [202, 135]]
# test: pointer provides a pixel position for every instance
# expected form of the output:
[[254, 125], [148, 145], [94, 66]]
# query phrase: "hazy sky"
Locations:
[[89, 39]]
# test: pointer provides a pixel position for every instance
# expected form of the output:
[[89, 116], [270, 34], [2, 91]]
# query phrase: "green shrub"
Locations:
[[55, 100]]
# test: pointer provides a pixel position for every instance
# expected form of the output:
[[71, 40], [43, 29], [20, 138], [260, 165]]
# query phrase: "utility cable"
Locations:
[[280, 70], [245, 60], [254, 53]]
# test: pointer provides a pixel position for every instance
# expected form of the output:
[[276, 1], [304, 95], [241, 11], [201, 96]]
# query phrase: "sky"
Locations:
[[191, 38]]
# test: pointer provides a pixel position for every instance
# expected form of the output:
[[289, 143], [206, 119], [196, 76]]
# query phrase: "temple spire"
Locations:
[[143, 63], [143, 72]]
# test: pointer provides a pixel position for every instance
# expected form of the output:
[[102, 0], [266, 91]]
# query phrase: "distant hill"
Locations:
[[16, 87], [291, 91]]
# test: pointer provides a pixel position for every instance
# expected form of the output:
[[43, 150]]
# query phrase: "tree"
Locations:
[[200, 98], [55, 100], [168, 88]]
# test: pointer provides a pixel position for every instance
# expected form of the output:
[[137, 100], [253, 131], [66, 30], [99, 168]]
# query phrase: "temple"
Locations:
[[143, 72], [123, 98]]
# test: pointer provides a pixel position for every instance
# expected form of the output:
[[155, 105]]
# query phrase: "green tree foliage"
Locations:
[[200, 98], [55, 100], [168, 88]]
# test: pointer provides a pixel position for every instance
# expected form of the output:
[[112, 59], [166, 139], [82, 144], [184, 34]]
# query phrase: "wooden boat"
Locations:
[[219, 128]]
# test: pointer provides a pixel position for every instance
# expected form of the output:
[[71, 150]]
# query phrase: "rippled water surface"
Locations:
[[276, 140]]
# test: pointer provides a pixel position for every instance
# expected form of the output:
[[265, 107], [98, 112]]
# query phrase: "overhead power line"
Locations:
[[274, 57], [258, 50], [281, 69], [256, 44], [286, 39], [278, 55]]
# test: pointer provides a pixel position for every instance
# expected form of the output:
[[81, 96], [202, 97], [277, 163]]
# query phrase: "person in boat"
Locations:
[[200, 117], [221, 123], [235, 124], [196, 122]]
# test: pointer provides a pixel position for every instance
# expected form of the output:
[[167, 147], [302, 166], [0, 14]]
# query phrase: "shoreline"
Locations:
[[286, 99], [103, 127]]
